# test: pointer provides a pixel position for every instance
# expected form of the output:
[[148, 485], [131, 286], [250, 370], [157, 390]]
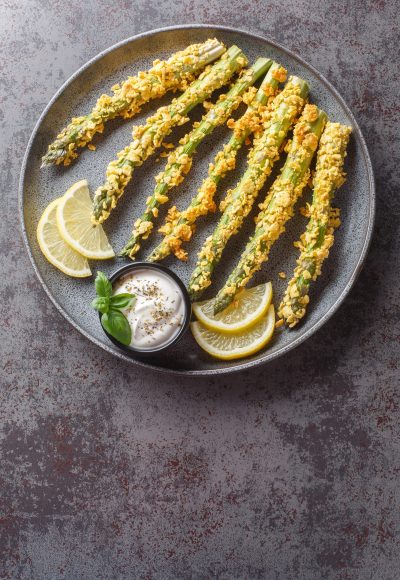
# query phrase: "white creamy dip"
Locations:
[[158, 313]]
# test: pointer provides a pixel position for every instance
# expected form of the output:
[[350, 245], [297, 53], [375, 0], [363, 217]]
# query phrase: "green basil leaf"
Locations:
[[116, 324], [123, 300], [101, 304], [103, 285]]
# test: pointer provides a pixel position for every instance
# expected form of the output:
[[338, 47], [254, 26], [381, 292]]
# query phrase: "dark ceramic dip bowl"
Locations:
[[128, 269]]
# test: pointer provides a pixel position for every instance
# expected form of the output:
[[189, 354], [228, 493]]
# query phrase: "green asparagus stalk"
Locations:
[[278, 206], [179, 226], [239, 201], [318, 238], [147, 138], [180, 160], [127, 100]]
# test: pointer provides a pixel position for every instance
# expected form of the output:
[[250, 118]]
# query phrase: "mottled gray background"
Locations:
[[288, 472]]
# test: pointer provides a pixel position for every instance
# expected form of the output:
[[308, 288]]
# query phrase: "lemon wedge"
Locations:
[[73, 220], [54, 248], [231, 346], [248, 308]]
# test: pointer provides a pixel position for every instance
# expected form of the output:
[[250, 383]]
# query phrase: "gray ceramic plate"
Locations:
[[77, 95]]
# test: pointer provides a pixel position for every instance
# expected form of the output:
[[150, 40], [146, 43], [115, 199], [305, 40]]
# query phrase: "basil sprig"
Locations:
[[112, 319]]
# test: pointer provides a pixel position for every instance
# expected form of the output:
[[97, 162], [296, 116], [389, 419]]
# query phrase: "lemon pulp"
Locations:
[[231, 346], [249, 306], [55, 249], [75, 226]]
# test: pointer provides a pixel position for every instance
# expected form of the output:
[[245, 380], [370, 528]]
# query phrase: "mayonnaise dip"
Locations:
[[158, 313]]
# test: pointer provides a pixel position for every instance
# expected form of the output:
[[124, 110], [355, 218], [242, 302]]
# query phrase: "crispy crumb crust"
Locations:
[[239, 201], [180, 160], [180, 226], [278, 206], [147, 138], [127, 99], [316, 241]]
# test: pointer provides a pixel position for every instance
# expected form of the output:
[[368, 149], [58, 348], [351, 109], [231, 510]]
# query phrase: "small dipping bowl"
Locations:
[[177, 282]]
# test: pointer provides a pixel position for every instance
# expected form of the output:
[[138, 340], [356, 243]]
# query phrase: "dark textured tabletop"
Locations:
[[287, 472]]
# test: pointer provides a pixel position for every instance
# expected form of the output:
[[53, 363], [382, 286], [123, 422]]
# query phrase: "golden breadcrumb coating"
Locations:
[[315, 243], [127, 99]]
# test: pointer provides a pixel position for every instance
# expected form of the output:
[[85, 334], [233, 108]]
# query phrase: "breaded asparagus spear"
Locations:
[[316, 241], [278, 206], [146, 138], [179, 226], [181, 68], [180, 160], [239, 201]]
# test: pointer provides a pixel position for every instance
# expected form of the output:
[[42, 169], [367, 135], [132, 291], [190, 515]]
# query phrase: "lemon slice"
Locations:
[[231, 346], [76, 228], [248, 308], [54, 248]]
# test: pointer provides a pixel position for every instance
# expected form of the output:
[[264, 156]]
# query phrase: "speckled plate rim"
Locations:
[[267, 357]]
